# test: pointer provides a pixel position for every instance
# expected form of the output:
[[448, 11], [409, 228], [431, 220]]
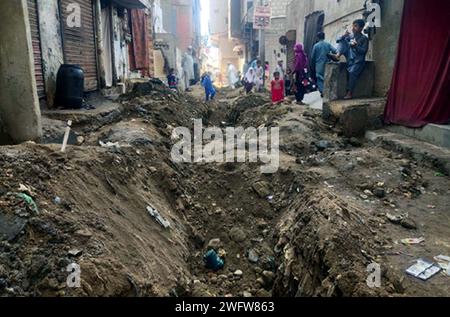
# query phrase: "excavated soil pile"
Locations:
[[138, 224]]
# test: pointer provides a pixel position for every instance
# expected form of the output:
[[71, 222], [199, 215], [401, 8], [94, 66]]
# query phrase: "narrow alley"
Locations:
[[98, 200]]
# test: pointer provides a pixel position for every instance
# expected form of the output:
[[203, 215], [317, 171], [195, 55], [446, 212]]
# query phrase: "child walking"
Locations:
[[210, 92], [277, 88], [172, 79]]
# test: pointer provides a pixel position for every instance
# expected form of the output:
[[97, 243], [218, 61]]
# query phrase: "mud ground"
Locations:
[[311, 229]]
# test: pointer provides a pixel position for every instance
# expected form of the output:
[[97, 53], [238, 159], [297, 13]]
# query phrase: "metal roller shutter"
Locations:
[[36, 39], [79, 42]]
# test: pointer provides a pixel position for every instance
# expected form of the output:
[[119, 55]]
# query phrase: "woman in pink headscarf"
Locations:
[[301, 62]]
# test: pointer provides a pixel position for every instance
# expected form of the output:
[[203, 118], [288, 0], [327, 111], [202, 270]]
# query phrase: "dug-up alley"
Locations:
[[224, 148]]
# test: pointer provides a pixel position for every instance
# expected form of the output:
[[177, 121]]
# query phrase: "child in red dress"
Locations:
[[277, 85]]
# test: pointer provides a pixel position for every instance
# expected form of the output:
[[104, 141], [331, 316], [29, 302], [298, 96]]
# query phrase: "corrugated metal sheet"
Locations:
[[36, 39], [79, 42]]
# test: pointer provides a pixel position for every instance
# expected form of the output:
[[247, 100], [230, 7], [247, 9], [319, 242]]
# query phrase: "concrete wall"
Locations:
[[218, 24], [19, 106], [277, 29], [296, 12], [51, 44], [385, 45]]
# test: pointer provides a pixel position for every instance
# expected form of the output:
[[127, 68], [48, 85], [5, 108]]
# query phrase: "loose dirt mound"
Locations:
[[310, 229]]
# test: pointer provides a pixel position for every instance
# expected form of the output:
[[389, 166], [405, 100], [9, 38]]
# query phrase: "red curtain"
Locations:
[[420, 89], [140, 55]]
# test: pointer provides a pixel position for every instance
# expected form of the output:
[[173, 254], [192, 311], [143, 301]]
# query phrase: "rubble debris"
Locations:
[[262, 188], [237, 235], [253, 256], [75, 252], [408, 223], [379, 192], [214, 244]]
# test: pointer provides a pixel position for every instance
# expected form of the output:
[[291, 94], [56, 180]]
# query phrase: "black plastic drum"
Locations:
[[69, 87]]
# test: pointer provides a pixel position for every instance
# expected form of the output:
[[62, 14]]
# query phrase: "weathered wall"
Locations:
[[277, 29], [51, 43], [385, 45], [218, 24], [19, 105], [120, 47], [296, 12]]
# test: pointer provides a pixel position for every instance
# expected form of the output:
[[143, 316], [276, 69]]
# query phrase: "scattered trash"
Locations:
[[29, 201], [412, 241], [26, 189], [238, 273], [444, 262], [270, 198], [222, 253], [423, 270], [213, 261], [328, 185], [57, 200], [109, 144], [155, 214]]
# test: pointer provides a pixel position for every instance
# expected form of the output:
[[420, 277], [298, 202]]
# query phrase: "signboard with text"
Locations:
[[262, 17]]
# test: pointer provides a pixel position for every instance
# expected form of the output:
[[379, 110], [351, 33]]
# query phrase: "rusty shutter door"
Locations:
[[36, 39], [79, 42]]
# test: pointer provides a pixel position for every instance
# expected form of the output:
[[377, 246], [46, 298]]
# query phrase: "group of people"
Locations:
[[296, 79], [254, 77]]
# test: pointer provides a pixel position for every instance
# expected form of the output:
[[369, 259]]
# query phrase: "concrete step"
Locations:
[[432, 133], [356, 116], [432, 155]]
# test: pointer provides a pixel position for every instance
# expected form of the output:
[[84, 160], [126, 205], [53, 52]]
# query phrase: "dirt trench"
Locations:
[[310, 229]]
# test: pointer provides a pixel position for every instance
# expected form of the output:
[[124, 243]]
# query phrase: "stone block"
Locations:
[[336, 77]]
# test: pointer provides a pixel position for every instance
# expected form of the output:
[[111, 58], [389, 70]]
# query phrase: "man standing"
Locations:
[[232, 76], [259, 80], [320, 57], [187, 63], [354, 47]]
